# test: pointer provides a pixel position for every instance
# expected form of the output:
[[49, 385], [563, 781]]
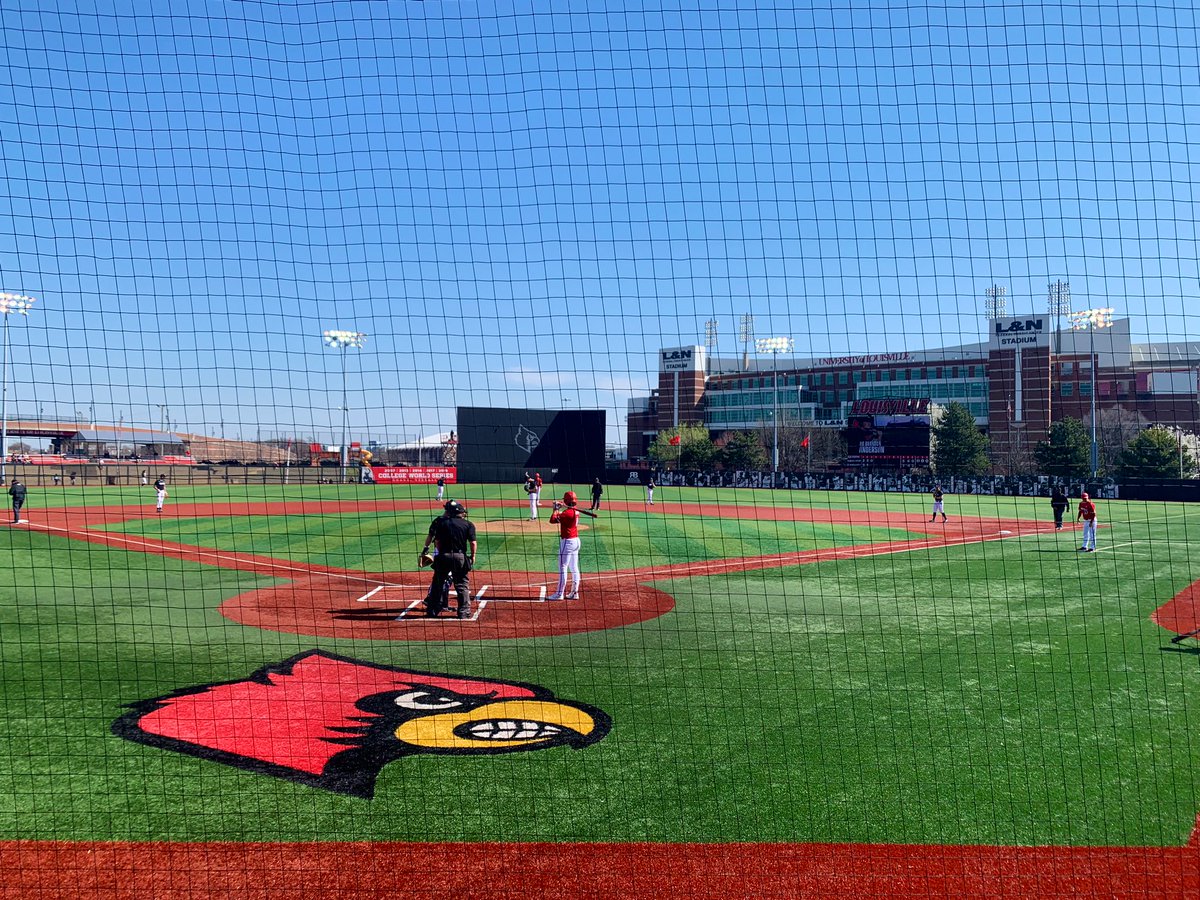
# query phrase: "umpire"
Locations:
[[456, 545]]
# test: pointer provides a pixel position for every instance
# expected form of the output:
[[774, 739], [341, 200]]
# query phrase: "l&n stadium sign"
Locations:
[[1019, 333]]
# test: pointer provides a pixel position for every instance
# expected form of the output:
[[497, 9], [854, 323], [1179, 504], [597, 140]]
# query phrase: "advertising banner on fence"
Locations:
[[414, 474]]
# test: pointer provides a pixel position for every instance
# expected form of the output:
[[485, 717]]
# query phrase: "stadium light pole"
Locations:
[[9, 303], [774, 346], [343, 341], [1058, 304], [746, 335], [1092, 320]]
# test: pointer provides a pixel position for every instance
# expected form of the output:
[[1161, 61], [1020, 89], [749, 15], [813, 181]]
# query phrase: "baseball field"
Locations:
[[811, 691]]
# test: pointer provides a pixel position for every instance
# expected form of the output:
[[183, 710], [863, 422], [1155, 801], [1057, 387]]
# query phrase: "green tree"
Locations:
[[744, 450], [1155, 453], [695, 449], [1067, 453], [959, 447]]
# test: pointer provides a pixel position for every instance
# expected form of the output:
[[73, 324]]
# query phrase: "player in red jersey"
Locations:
[[1087, 511], [566, 517]]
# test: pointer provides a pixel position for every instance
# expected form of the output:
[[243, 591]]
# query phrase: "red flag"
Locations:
[[675, 441], [804, 443]]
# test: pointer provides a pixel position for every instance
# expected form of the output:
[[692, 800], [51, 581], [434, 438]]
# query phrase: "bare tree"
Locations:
[[1116, 426], [826, 447]]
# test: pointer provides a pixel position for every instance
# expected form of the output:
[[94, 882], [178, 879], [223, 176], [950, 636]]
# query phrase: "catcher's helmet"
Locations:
[[570, 499], [454, 508]]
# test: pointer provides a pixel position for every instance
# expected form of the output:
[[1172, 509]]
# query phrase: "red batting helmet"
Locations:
[[570, 499]]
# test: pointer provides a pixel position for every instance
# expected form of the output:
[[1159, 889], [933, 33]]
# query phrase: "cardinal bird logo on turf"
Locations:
[[333, 722]]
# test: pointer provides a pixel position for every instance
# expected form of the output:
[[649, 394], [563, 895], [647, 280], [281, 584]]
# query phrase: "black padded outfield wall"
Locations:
[[501, 445]]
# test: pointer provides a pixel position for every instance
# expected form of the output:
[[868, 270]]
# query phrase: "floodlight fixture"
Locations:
[[995, 306]]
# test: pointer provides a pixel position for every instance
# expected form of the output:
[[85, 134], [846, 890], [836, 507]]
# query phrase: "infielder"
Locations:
[[939, 507], [650, 486], [567, 520], [160, 493], [1087, 511]]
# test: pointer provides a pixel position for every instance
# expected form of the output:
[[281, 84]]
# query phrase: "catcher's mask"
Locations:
[[570, 499], [454, 508]]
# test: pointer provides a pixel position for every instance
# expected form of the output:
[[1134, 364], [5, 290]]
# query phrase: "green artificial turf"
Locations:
[[368, 541], [1012, 692]]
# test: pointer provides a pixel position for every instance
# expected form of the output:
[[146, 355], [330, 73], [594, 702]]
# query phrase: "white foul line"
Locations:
[[1115, 546], [191, 551]]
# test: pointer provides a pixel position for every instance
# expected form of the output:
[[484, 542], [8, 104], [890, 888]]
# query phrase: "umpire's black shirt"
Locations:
[[453, 535]]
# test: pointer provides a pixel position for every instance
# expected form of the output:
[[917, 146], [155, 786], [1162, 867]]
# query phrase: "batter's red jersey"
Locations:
[[1087, 509], [568, 522]]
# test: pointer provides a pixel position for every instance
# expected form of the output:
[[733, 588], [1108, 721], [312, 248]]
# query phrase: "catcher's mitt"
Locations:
[[424, 560]]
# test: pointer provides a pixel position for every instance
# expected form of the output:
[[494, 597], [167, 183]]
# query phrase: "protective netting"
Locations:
[[818, 389]]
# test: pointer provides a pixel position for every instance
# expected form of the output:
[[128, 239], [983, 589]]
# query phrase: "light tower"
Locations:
[[774, 346], [344, 341], [1091, 320], [9, 303], [746, 335]]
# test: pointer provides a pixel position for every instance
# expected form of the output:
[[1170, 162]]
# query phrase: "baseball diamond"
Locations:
[[814, 674]]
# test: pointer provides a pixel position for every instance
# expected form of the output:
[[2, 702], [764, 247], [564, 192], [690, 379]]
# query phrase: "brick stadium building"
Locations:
[[1027, 375]]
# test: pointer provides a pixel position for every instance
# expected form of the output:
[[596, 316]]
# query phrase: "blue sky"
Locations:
[[521, 202]]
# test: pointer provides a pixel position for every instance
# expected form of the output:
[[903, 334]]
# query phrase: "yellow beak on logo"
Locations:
[[501, 725]]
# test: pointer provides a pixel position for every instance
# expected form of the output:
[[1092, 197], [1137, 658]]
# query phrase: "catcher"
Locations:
[[456, 545]]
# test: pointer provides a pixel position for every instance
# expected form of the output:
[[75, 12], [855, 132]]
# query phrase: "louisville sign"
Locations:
[[891, 407], [331, 722], [868, 359]]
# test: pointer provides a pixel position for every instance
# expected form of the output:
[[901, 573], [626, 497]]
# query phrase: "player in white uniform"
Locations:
[[531, 491], [939, 507]]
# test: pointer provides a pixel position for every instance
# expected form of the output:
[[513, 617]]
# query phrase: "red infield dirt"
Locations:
[[329, 602], [326, 601]]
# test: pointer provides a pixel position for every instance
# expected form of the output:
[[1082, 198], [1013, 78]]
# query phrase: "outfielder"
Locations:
[[567, 521]]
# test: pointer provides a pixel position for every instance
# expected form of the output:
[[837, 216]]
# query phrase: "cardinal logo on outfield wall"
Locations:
[[332, 722], [526, 439]]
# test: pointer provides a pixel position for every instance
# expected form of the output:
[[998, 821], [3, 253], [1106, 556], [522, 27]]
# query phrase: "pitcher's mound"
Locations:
[[519, 526]]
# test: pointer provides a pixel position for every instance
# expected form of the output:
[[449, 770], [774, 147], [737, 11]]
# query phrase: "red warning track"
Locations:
[[665, 871], [329, 602]]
